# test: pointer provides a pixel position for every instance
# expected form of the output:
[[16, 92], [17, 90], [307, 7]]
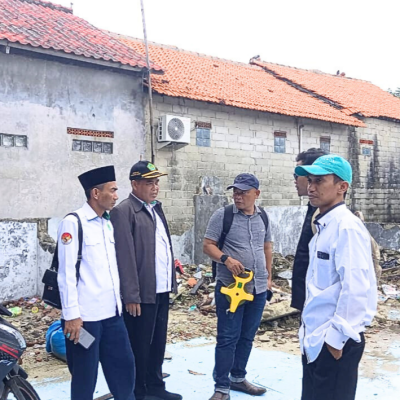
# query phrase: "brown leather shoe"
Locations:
[[247, 387], [220, 396]]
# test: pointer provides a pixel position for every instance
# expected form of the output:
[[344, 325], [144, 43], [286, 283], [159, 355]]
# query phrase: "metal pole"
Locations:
[[152, 137]]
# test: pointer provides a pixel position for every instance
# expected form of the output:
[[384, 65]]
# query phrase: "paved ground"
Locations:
[[278, 371]]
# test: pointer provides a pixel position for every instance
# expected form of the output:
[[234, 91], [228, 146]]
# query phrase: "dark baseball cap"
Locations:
[[144, 170], [245, 182]]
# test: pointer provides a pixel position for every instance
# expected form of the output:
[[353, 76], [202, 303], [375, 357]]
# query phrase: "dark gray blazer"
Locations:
[[135, 244]]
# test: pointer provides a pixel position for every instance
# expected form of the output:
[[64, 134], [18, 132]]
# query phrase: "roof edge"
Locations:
[[70, 56], [48, 4]]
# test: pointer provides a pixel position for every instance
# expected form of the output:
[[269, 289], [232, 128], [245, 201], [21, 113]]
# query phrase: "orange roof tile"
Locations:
[[356, 96], [50, 26], [204, 78]]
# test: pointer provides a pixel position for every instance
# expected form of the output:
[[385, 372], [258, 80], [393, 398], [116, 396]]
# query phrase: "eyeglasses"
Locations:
[[240, 193], [295, 176]]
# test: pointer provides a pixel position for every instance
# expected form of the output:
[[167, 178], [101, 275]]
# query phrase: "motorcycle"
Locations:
[[13, 379]]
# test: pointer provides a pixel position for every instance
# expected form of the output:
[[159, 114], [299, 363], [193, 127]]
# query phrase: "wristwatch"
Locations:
[[223, 258]]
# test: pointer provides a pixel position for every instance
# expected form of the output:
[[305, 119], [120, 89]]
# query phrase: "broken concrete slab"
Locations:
[[278, 310]]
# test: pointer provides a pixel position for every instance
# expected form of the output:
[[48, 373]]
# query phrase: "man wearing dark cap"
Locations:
[[146, 268], [92, 300], [301, 258], [247, 245]]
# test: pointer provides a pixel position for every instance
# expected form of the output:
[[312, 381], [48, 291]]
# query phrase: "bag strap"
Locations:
[[80, 239], [265, 219], [226, 226], [54, 264]]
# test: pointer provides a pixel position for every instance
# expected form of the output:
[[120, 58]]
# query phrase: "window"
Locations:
[[13, 140], [88, 146], [203, 137], [280, 142], [366, 151], [325, 143]]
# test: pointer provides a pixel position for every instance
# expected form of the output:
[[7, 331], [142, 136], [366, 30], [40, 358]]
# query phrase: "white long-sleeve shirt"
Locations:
[[163, 252], [97, 295], [341, 294]]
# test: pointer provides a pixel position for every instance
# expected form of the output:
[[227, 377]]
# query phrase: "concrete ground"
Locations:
[[278, 371]]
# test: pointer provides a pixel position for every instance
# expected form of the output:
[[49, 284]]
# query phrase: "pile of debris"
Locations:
[[389, 288], [195, 300], [193, 308], [32, 318]]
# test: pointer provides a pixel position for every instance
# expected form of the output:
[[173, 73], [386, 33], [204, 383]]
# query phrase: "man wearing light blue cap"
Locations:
[[340, 285]]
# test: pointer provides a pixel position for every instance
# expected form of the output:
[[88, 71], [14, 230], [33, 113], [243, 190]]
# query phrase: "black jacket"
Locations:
[[301, 261], [135, 244]]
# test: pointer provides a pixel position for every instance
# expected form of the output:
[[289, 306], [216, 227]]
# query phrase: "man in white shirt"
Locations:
[[341, 295], [146, 267], [91, 299]]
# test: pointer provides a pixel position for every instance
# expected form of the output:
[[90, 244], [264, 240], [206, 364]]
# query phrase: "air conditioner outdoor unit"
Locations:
[[173, 129]]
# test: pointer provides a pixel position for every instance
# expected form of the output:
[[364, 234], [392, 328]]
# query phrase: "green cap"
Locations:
[[326, 165]]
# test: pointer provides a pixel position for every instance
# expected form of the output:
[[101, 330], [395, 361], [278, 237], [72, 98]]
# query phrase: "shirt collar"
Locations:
[[89, 212], [152, 204], [327, 216], [235, 209]]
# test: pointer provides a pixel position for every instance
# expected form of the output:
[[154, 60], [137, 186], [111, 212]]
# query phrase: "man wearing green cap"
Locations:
[[147, 272], [341, 295]]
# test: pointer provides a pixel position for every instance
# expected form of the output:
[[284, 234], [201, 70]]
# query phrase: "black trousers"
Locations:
[[148, 337], [111, 348], [328, 379]]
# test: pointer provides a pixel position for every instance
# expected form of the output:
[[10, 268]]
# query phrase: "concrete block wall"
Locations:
[[241, 141], [377, 187]]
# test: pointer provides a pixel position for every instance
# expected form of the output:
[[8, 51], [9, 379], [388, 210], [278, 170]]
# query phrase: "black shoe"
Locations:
[[161, 394]]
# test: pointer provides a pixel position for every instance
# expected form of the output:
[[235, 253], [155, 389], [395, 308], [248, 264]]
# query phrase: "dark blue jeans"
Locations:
[[235, 335], [112, 348]]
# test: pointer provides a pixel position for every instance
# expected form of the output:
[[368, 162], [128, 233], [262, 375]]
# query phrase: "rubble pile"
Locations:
[[390, 263], [32, 319], [389, 289], [195, 301], [193, 308]]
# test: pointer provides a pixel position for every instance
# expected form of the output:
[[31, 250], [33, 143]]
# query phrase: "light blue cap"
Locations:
[[326, 165]]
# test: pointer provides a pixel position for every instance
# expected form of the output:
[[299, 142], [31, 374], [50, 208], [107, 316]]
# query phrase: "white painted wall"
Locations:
[[18, 260], [41, 99]]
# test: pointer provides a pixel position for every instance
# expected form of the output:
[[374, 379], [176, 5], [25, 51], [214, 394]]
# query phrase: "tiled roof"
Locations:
[[356, 96], [199, 77], [42, 24]]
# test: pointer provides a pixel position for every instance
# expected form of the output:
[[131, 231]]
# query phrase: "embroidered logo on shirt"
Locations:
[[322, 255], [66, 238]]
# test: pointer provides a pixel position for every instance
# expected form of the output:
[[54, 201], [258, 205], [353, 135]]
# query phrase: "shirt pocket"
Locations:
[[325, 274], [93, 251]]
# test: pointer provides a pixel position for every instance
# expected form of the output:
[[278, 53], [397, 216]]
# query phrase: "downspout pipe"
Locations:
[[300, 132], [300, 138]]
